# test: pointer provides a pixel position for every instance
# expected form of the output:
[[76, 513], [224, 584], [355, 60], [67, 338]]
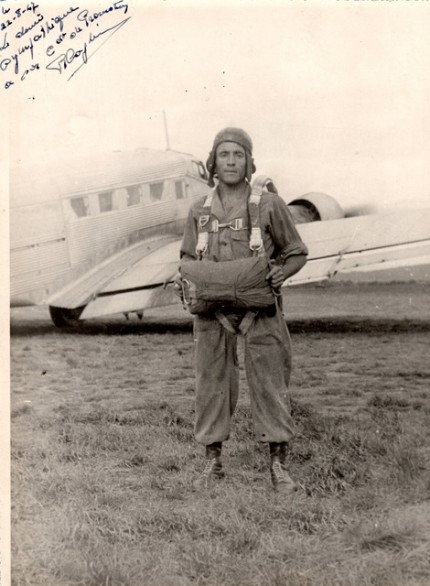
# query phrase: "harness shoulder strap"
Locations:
[[205, 225], [256, 239]]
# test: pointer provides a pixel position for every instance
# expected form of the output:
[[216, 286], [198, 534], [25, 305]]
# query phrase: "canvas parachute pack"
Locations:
[[209, 287]]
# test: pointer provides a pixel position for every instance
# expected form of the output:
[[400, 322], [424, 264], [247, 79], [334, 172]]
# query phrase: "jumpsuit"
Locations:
[[267, 341]]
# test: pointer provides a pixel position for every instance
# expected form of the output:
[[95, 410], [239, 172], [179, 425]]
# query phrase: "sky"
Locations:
[[334, 93]]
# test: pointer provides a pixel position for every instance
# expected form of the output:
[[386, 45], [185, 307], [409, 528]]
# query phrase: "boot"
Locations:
[[281, 480], [213, 470]]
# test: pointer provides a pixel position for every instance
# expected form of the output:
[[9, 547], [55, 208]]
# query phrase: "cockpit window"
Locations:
[[199, 170]]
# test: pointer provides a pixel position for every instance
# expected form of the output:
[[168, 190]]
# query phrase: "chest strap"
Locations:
[[207, 225]]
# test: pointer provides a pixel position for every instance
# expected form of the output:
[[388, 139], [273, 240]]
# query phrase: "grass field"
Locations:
[[103, 454]]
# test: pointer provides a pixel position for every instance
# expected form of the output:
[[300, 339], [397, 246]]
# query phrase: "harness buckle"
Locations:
[[236, 224]]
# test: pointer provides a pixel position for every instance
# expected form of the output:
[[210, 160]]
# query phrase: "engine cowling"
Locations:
[[314, 207], [311, 207]]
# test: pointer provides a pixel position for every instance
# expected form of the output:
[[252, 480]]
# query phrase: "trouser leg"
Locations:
[[217, 380], [268, 368]]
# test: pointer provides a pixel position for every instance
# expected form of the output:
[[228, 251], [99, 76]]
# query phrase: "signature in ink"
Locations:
[[93, 37], [63, 61]]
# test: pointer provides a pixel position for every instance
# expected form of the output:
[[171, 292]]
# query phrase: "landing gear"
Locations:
[[64, 317], [138, 313]]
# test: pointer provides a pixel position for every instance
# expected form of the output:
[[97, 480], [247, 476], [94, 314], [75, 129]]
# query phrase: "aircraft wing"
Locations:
[[143, 285], [137, 278], [131, 280], [373, 241]]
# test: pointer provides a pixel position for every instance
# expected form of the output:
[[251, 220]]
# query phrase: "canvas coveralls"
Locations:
[[267, 341]]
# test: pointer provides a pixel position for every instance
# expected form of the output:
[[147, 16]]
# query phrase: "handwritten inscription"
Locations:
[[31, 39]]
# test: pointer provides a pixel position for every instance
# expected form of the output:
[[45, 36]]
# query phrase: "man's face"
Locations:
[[230, 163]]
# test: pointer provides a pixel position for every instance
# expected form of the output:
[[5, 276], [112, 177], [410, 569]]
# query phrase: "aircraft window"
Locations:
[[120, 198], [199, 170], [134, 195], [105, 201], [179, 190], [156, 191], [79, 206]]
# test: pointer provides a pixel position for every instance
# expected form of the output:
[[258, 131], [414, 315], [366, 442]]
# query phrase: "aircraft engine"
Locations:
[[311, 207], [64, 317], [314, 207]]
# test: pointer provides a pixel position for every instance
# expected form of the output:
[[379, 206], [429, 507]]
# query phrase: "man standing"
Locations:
[[228, 226]]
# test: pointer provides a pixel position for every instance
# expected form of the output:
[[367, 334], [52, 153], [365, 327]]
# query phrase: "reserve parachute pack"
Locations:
[[209, 286]]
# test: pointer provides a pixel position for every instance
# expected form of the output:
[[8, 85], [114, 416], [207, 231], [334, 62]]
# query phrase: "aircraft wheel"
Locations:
[[64, 317]]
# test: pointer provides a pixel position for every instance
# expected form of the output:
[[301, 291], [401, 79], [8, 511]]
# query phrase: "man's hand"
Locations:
[[276, 277], [280, 273]]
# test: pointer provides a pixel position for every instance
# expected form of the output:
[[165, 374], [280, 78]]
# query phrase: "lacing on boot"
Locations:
[[212, 471], [281, 480], [277, 473], [214, 467]]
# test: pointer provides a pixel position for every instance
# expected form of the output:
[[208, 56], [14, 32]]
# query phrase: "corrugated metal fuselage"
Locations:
[[51, 246]]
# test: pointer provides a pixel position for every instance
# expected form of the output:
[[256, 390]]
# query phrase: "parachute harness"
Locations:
[[207, 225]]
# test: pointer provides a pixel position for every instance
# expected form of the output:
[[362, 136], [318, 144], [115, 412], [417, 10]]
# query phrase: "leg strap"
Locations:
[[224, 322], [247, 321], [244, 325]]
